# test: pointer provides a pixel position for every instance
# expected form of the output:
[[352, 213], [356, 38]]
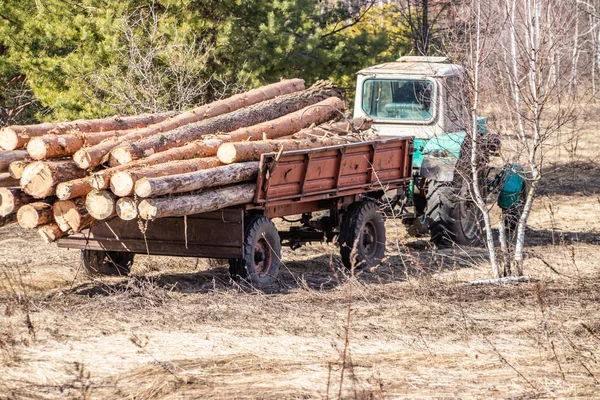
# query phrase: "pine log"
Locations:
[[177, 206], [356, 125], [72, 215], [72, 189], [51, 233], [35, 214], [218, 176], [127, 208], [249, 116], [41, 177], [7, 181], [11, 199], [17, 136], [53, 146], [198, 149], [247, 151], [100, 204], [16, 168], [122, 183], [7, 220], [93, 156], [7, 157]]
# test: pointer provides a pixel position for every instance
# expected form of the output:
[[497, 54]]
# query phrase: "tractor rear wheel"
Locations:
[[362, 235]]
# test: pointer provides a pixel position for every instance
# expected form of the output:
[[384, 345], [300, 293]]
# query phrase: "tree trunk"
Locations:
[[72, 215], [51, 233], [177, 206], [17, 136], [257, 114], [100, 204], [199, 149], [219, 176], [122, 183], [11, 199], [7, 220], [7, 181], [41, 177], [93, 156], [16, 168], [75, 188], [35, 214], [127, 208], [54, 146], [7, 157], [247, 151]]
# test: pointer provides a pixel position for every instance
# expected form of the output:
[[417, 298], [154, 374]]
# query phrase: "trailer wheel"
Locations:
[[98, 262], [362, 236], [262, 252]]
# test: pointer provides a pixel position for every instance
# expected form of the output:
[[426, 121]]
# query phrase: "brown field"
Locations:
[[179, 328]]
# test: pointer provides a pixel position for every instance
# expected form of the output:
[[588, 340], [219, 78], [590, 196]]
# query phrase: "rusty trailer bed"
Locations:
[[289, 183]]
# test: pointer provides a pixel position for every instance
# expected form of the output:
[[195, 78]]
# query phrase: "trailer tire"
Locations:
[[362, 236], [98, 262], [262, 252]]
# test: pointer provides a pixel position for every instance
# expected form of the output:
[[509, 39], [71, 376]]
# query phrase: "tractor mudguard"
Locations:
[[439, 156], [511, 182]]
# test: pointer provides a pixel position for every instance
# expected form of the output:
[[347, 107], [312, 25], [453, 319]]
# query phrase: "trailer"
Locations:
[[343, 184]]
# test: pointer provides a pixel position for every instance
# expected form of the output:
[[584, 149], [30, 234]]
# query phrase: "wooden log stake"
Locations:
[[35, 214], [72, 189], [72, 215], [211, 200], [16, 168], [51, 233], [41, 177], [7, 157], [127, 208], [17, 136], [249, 116], [218, 176], [100, 204], [7, 181], [93, 156], [11, 199], [122, 183]]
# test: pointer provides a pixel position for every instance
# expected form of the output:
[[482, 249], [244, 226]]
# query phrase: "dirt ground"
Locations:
[[180, 328]]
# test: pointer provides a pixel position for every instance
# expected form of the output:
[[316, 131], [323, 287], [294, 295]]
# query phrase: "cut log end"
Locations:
[[122, 155], [147, 209], [37, 149], [72, 189], [127, 208], [100, 204], [82, 159], [41, 177], [122, 184], [16, 168], [9, 139], [51, 233], [35, 214], [143, 188], [227, 153], [71, 215], [11, 199]]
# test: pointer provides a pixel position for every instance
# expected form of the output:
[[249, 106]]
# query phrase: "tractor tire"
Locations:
[[98, 262], [451, 216], [362, 236], [262, 252]]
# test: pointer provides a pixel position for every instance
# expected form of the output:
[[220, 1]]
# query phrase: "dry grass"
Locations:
[[179, 328]]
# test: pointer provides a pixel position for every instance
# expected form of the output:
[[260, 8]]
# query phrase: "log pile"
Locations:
[[62, 178]]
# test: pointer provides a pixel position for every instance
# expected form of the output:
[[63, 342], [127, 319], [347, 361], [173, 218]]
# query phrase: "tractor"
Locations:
[[426, 97]]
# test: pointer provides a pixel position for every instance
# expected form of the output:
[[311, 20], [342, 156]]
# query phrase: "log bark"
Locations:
[[94, 155], [35, 214], [7, 181], [51, 233], [100, 204], [247, 151], [54, 146], [16, 168], [198, 149], [122, 183], [219, 176], [41, 177], [177, 206], [17, 136], [73, 189], [72, 215], [256, 114], [7, 220], [127, 208], [7, 157], [356, 125], [11, 199]]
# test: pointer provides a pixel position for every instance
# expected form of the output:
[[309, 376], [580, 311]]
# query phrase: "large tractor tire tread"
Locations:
[[363, 225]]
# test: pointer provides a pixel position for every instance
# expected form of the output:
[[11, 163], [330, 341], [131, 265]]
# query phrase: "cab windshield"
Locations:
[[399, 99]]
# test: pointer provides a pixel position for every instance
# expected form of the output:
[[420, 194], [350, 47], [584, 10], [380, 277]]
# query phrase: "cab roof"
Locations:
[[414, 65]]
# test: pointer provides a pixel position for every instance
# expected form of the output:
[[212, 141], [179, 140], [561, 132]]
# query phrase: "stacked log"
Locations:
[[161, 165]]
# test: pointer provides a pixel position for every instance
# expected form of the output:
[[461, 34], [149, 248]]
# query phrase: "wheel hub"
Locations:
[[262, 257], [369, 239]]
